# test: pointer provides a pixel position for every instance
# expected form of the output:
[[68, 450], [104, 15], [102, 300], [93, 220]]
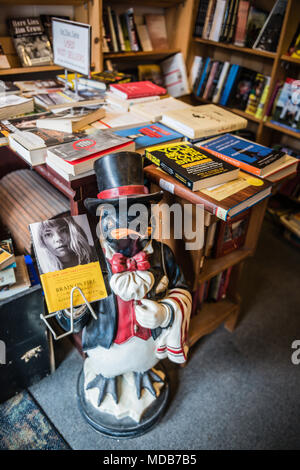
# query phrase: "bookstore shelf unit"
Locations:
[[212, 314], [278, 65]]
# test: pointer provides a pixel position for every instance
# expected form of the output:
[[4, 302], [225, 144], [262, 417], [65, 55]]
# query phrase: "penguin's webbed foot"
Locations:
[[104, 385], [146, 380]]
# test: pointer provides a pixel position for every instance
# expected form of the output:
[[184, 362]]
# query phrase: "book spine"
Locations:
[[210, 80], [112, 30], [120, 33], [209, 19], [219, 87], [106, 30], [225, 20], [260, 107], [228, 84], [217, 21], [205, 68], [200, 20], [165, 181], [232, 26], [241, 26], [116, 30], [125, 32], [233, 161], [134, 44]]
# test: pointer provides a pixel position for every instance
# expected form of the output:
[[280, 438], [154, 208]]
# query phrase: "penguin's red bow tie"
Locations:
[[120, 263]]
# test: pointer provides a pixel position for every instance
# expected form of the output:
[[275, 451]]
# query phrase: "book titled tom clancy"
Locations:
[[66, 258], [32, 44], [194, 167]]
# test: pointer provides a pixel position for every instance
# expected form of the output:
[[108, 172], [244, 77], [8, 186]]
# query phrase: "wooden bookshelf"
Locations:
[[209, 317], [21, 70], [214, 266], [278, 65], [232, 47], [141, 54]]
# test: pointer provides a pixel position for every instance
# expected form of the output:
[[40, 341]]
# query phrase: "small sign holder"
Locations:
[[72, 48], [50, 315]]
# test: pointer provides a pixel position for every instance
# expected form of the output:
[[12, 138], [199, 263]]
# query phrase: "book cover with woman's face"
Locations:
[[67, 258]]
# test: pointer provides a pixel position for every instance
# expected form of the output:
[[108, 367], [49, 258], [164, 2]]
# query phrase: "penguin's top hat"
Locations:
[[120, 175]]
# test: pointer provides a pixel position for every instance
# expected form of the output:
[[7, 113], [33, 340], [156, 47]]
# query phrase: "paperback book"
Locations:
[[249, 156], [149, 135], [195, 168], [31, 43], [66, 258], [78, 156], [137, 89], [287, 108]]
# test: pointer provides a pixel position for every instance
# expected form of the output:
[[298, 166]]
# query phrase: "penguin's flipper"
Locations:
[[104, 385]]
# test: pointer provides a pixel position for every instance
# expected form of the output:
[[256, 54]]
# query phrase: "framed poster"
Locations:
[[72, 45]]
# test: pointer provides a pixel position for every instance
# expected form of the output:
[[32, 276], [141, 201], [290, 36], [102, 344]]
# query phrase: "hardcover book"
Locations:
[[247, 155], [31, 43], [202, 121], [175, 76], [66, 258], [72, 119], [13, 105], [225, 200], [137, 89], [191, 166], [244, 85], [256, 20], [116, 120], [100, 80], [79, 155], [149, 135]]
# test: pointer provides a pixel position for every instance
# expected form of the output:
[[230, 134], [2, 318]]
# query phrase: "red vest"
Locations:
[[127, 324]]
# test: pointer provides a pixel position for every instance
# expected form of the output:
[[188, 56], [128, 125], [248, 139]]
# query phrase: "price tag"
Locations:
[[72, 45]]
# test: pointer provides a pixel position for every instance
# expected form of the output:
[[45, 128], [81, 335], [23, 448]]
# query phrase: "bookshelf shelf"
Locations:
[[140, 54], [20, 70], [283, 130], [287, 58], [214, 266], [232, 47], [43, 2], [209, 318]]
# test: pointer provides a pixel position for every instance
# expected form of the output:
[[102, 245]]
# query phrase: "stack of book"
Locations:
[[127, 31], [231, 85], [14, 277], [240, 23]]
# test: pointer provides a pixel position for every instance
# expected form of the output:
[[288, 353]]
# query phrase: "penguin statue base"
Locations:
[[131, 416]]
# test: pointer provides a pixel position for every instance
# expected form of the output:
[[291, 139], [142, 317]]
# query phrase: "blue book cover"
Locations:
[[203, 76], [152, 134], [245, 154], [229, 84]]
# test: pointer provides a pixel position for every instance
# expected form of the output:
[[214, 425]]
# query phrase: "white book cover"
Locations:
[[197, 62], [154, 113], [7, 277], [217, 21], [12, 100], [175, 76], [201, 121], [116, 121], [67, 176]]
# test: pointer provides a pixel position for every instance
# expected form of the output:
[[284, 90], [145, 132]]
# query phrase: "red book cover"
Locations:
[[137, 89]]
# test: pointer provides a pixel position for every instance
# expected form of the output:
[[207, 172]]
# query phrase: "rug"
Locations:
[[24, 426]]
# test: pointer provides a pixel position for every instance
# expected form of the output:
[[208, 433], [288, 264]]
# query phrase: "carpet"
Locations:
[[24, 426]]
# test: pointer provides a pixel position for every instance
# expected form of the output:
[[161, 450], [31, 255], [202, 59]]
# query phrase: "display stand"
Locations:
[[71, 331]]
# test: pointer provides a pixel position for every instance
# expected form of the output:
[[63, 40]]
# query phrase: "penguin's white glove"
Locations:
[[151, 314]]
